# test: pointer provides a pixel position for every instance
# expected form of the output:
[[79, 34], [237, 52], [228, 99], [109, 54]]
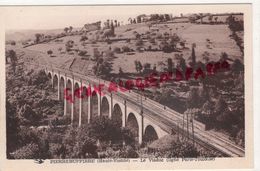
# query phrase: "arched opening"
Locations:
[[104, 107], [117, 115], [132, 124], [94, 105], [62, 86], [55, 85], [76, 106], [84, 113], [149, 135], [69, 102], [50, 77]]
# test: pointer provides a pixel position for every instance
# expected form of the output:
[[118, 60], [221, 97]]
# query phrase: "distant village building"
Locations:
[[180, 20], [92, 26]]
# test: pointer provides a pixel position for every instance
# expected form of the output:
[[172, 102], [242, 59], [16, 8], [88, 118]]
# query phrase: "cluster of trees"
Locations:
[[160, 17], [11, 42], [235, 25], [39, 37], [169, 43], [111, 23], [25, 110], [152, 17], [69, 45], [101, 67], [68, 29], [101, 138], [11, 54], [145, 68]]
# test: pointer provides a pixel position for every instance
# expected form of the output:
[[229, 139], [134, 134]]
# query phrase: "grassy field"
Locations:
[[213, 39]]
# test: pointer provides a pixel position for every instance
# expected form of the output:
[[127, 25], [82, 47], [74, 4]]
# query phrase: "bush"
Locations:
[[83, 38], [13, 43], [152, 40], [82, 53], [30, 151], [126, 49], [108, 41], [128, 152], [109, 53], [181, 149], [117, 50], [27, 136], [139, 42], [49, 52], [106, 129]]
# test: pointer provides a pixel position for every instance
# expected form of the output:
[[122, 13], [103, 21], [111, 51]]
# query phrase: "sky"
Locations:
[[58, 17]]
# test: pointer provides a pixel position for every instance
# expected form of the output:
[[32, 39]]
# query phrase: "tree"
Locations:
[[208, 108], [210, 17], [69, 45], [104, 68], [38, 37], [165, 97], [139, 19], [201, 17], [147, 68], [60, 49], [112, 29], [220, 106], [216, 19], [182, 150], [120, 71], [130, 20], [192, 100], [193, 56], [181, 63], [85, 143], [108, 23], [106, 129], [138, 66], [12, 128], [205, 57], [237, 66], [13, 58], [223, 57], [66, 29], [70, 29], [170, 64]]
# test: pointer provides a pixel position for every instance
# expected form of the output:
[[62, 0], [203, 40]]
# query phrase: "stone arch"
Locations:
[[94, 104], [69, 102], [84, 113], [62, 86], [76, 106], [55, 84], [117, 114], [150, 134], [49, 75], [132, 124], [104, 107]]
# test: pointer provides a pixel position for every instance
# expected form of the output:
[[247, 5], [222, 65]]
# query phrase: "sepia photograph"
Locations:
[[125, 83]]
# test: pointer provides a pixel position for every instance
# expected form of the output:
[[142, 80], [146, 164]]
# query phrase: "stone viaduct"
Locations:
[[148, 122], [83, 110]]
